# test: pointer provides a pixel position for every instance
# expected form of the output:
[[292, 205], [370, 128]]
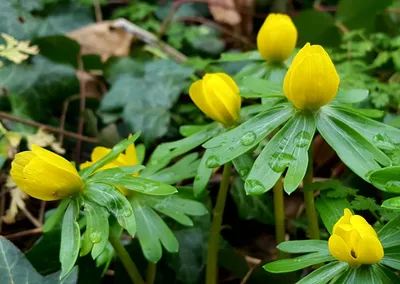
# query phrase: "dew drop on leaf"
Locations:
[[212, 161], [254, 186], [280, 161], [95, 237], [248, 138], [302, 139], [393, 186]]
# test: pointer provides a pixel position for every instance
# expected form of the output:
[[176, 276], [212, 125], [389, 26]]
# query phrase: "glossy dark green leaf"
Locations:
[[303, 246], [331, 210], [96, 227], [293, 264], [351, 96], [70, 238], [354, 150], [165, 152], [185, 168], [175, 206], [325, 273], [387, 179], [152, 232], [111, 198], [112, 155], [392, 257], [56, 215], [241, 139], [389, 235], [287, 149]]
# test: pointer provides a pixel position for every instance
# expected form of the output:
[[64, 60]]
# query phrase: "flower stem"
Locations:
[[126, 260], [214, 240], [279, 211], [309, 200], [151, 272]]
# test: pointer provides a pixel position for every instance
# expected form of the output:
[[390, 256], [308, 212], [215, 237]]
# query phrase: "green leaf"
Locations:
[[189, 130], [255, 69], [316, 27], [303, 246], [108, 196], [322, 185], [165, 152], [241, 139], [96, 227], [367, 274], [240, 56], [70, 238], [203, 175], [389, 235], [331, 210], [252, 87], [176, 207], [116, 66], [353, 149], [351, 96], [392, 257], [289, 265], [325, 273], [152, 231], [258, 207], [185, 168], [243, 164], [387, 179], [56, 215], [15, 268], [288, 148], [111, 156], [392, 203], [364, 203]]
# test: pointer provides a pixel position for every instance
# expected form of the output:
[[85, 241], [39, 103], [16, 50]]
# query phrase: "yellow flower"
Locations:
[[217, 95], [45, 175], [277, 38], [127, 159], [354, 241], [312, 80]]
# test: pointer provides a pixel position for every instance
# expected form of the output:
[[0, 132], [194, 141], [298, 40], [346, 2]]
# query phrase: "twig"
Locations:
[[82, 106], [97, 11], [2, 207], [4, 115], [41, 212], [248, 274], [149, 38], [24, 233], [30, 217], [216, 26], [64, 116]]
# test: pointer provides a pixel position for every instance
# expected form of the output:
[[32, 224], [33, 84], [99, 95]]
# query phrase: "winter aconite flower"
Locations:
[[354, 241], [127, 159], [217, 95], [312, 80], [277, 38], [45, 175]]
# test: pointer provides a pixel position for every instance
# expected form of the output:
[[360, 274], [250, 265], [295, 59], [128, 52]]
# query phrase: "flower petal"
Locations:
[[362, 226], [340, 251], [345, 219], [369, 250]]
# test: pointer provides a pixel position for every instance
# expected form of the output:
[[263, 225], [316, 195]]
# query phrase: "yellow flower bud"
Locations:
[[217, 96], [45, 175], [277, 38], [354, 241], [127, 159], [312, 80]]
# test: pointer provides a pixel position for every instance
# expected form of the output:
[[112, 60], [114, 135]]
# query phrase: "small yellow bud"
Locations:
[[312, 80], [127, 159], [45, 175], [277, 38], [217, 96], [354, 241]]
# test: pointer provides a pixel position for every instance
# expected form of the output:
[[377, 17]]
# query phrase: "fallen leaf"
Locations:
[[44, 139], [17, 201], [224, 11], [16, 51]]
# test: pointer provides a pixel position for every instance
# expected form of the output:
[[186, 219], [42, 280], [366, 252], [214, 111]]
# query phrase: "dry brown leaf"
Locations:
[[102, 39], [224, 11], [44, 139], [17, 201]]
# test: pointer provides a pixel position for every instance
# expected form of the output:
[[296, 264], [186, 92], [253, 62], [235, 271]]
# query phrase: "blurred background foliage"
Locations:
[[93, 70]]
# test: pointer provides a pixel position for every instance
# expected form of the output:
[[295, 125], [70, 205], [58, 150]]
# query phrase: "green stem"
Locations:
[[213, 242], [279, 211], [126, 260], [309, 199], [151, 272]]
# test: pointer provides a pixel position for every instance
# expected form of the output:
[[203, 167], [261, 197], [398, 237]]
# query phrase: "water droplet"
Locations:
[[248, 138], [244, 172], [393, 186], [128, 212], [383, 142], [302, 139], [212, 162], [280, 161], [95, 237], [254, 186]]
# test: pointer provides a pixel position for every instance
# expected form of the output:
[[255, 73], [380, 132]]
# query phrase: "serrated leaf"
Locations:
[[241, 139], [287, 149], [341, 192], [364, 203]]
